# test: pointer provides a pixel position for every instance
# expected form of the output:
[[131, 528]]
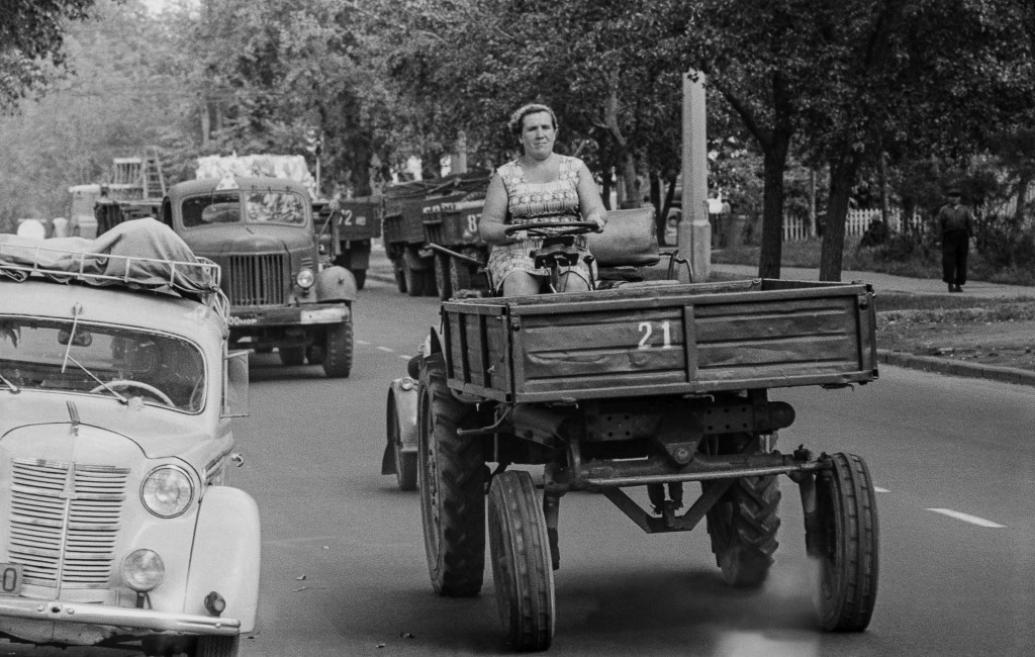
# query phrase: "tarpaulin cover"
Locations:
[[141, 254]]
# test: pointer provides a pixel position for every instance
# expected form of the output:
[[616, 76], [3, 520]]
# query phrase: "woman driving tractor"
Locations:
[[538, 188]]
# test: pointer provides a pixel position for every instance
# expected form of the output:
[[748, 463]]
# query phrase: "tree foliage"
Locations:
[[361, 86], [32, 43], [122, 93]]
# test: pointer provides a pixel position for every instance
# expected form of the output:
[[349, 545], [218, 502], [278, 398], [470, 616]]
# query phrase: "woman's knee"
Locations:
[[573, 282], [519, 284]]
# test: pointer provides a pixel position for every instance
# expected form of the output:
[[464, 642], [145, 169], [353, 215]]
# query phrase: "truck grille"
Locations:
[[256, 280], [65, 521]]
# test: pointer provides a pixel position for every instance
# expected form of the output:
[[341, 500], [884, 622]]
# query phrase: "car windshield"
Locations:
[[118, 362], [258, 207]]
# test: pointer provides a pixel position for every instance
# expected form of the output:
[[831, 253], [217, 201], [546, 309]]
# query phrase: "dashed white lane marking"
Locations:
[[878, 489], [364, 342], [404, 356], [386, 349], [966, 517]]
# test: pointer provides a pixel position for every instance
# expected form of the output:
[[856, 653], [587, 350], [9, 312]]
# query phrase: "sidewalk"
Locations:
[[890, 283]]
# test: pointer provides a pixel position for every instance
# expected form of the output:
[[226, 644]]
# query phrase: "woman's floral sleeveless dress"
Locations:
[[531, 203]]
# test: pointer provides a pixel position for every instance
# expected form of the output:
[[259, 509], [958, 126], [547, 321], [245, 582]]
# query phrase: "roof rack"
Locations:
[[196, 279]]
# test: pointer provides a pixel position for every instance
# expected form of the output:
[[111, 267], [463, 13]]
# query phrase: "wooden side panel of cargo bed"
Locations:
[[687, 347], [479, 359]]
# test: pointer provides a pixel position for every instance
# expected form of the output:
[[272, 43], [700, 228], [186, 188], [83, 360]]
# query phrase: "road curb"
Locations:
[[957, 368]]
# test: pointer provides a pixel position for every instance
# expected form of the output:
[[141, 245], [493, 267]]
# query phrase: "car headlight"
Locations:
[[143, 570], [305, 278], [167, 491]]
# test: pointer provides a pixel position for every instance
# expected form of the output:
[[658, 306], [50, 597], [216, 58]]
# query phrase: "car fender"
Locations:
[[402, 403], [335, 284], [225, 557]]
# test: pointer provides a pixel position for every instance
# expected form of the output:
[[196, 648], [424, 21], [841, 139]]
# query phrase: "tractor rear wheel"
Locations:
[[451, 478], [743, 526]]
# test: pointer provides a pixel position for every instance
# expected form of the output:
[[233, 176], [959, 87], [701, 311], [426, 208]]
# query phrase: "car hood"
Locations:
[[243, 239], [156, 432]]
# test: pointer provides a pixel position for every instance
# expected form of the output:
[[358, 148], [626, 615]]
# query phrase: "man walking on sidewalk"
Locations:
[[956, 223]]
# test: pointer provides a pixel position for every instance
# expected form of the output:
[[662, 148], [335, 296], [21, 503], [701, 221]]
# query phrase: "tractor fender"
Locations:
[[225, 557], [335, 284], [402, 402]]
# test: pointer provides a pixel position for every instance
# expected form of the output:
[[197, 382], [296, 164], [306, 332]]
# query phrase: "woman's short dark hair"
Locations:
[[517, 118]]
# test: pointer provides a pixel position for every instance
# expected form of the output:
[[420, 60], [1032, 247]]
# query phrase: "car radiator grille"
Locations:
[[256, 280], [65, 522]]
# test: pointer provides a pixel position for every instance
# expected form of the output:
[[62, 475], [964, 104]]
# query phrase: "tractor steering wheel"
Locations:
[[552, 228]]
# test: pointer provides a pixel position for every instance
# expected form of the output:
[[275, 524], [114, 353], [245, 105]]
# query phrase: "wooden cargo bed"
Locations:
[[661, 338]]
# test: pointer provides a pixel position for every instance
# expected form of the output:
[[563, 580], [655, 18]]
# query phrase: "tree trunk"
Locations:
[[1022, 195], [831, 257], [775, 163], [884, 202], [631, 186], [812, 202]]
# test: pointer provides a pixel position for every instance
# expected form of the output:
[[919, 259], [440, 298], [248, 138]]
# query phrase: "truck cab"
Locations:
[[283, 291]]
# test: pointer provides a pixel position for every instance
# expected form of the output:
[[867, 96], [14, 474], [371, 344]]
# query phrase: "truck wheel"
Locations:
[[414, 281], [451, 478], [291, 356], [442, 280], [400, 276], [521, 566], [216, 646], [361, 277], [430, 286], [405, 463], [846, 505], [742, 526], [460, 276], [337, 352]]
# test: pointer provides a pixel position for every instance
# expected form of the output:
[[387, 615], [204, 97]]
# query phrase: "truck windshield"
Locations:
[[111, 361], [220, 208], [259, 207], [275, 207]]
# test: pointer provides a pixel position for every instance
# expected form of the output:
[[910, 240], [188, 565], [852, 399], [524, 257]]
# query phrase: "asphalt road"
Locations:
[[343, 561], [344, 571]]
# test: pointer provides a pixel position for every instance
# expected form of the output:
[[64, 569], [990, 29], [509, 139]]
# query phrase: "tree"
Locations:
[[121, 92], [911, 77], [32, 43]]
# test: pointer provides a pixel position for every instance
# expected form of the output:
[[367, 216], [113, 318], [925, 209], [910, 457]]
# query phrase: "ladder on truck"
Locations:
[[138, 177]]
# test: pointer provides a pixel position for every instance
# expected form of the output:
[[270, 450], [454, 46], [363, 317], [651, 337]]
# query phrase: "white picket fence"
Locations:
[[796, 229]]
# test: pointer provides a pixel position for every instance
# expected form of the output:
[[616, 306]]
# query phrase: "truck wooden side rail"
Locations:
[[658, 339]]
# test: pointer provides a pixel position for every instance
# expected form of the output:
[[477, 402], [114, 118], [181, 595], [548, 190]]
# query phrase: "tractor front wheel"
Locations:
[[521, 565], [845, 544]]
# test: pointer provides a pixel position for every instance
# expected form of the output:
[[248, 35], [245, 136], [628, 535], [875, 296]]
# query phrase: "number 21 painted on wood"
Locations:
[[647, 330]]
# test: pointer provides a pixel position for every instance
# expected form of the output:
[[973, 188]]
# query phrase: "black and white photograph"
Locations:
[[594, 328]]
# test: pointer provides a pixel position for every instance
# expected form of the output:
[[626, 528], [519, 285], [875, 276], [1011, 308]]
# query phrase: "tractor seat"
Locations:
[[630, 239]]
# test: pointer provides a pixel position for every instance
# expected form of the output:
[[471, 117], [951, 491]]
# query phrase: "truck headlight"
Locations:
[[167, 491], [143, 570], [305, 278]]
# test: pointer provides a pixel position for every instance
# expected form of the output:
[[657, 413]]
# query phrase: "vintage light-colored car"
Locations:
[[117, 523]]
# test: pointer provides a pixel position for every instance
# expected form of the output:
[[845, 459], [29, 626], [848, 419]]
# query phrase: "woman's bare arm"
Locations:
[[590, 203], [491, 226]]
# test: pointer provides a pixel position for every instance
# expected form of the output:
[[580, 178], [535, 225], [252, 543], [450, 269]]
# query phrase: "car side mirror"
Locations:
[[235, 384]]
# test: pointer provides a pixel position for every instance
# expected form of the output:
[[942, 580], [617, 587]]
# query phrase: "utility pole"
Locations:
[[694, 231]]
